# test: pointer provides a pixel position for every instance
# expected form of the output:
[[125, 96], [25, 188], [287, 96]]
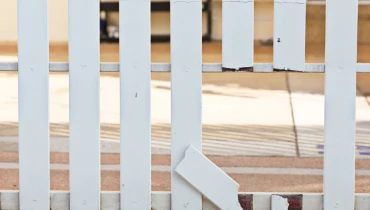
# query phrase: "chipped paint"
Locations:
[[241, 69]]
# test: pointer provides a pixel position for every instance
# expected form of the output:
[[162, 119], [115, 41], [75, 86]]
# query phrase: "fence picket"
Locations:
[[289, 34], [33, 77], [340, 104], [186, 95], [84, 58], [237, 34], [135, 104]]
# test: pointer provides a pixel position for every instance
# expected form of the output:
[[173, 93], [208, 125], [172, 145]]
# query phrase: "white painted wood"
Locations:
[[204, 176], [340, 104], [9, 200], [161, 201], [166, 67], [208, 205], [237, 33], [135, 104], [312, 202], [362, 202], [110, 201], [84, 60], [289, 34], [261, 201], [59, 200], [33, 93], [186, 95], [279, 203]]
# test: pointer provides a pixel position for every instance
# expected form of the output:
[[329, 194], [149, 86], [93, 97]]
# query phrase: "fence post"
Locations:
[[135, 104], [84, 86], [186, 95], [33, 78], [340, 104]]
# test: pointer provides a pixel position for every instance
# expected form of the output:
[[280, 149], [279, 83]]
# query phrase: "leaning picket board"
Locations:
[[186, 95], [340, 104], [84, 72], [237, 34], [289, 34], [135, 104], [197, 170], [33, 78]]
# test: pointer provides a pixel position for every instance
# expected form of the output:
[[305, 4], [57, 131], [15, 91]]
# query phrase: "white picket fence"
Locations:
[[186, 85]]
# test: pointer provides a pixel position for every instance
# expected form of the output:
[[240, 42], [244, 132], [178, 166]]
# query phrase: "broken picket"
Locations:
[[209, 179]]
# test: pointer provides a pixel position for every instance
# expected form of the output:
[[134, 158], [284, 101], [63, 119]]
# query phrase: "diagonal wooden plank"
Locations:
[[209, 179]]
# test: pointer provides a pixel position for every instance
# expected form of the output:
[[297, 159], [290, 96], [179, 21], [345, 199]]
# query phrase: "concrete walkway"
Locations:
[[274, 114]]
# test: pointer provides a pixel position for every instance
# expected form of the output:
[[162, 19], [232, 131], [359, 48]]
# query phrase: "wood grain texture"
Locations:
[[33, 93]]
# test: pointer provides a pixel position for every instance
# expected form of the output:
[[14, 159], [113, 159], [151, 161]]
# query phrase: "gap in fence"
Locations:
[[267, 116]]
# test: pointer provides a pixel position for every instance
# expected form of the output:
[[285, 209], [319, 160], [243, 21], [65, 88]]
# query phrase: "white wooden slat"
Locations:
[[135, 104], [261, 201], [33, 93], [166, 67], [312, 201], [9, 200], [279, 203], [59, 200], [340, 104], [362, 202], [161, 200], [197, 169], [186, 95], [84, 61], [110, 201], [237, 34], [289, 34]]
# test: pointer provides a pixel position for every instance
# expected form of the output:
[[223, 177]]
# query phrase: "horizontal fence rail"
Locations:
[[192, 174], [206, 67], [110, 200]]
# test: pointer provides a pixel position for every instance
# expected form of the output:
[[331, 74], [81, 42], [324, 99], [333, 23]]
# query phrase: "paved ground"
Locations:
[[245, 114]]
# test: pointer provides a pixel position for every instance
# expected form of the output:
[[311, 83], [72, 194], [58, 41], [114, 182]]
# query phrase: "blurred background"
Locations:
[[266, 130]]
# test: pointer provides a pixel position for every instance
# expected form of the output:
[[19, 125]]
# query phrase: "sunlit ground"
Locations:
[[276, 114]]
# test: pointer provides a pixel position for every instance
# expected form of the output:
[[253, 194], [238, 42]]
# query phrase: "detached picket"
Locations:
[[33, 92], [186, 95], [340, 104], [289, 34], [84, 64], [135, 104], [237, 34]]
